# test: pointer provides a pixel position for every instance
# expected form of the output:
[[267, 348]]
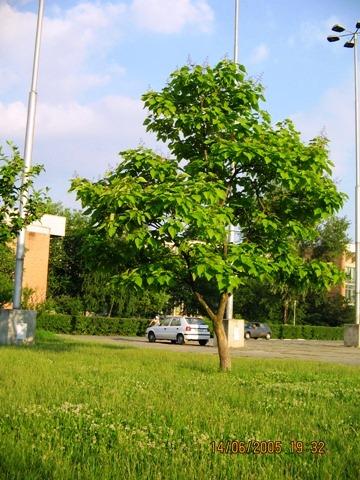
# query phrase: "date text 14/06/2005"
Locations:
[[266, 447]]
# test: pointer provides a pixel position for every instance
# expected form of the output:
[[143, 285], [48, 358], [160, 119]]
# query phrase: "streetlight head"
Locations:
[[332, 38], [338, 28], [358, 25], [349, 45]]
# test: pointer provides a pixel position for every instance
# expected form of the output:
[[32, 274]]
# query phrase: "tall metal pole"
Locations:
[[29, 137], [236, 32], [357, 186], [231, 235]]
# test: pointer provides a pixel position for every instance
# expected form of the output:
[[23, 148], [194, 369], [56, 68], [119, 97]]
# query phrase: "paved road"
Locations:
[[316, 350]]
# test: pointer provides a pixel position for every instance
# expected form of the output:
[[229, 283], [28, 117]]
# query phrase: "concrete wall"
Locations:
[[234, 330], [352, 336], [15, 322]]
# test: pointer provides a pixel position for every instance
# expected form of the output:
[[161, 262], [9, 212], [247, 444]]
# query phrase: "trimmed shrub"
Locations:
[[293, 331], [82, 325], [323, 333], [275, 330], [79, 324], [55, 322], [307, 332]]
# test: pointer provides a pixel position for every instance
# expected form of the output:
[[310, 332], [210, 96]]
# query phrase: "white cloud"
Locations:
[[172, 16], [311, 33], [16, 30], [77, 138], [71, 39], [260, 53], [12, 120], [75, 131], [76, 41], [116, 116], [333, 116]]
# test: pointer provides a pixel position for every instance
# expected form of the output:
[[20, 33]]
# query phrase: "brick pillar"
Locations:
[[36, 264]]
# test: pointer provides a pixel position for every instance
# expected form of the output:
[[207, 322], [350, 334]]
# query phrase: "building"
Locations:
[[36, 261], [347, 264]]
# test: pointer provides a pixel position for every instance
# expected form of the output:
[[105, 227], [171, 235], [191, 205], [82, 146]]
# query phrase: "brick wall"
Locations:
[[36, 265]]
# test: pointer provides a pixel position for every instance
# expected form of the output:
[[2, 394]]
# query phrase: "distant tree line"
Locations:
[[82, 267]]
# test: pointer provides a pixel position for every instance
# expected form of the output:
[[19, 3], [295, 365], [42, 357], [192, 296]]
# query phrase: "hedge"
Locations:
[[59, 323], [80, 324], [307, 332]]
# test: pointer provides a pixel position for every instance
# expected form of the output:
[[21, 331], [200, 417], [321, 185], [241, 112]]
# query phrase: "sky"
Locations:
[[98, 57]]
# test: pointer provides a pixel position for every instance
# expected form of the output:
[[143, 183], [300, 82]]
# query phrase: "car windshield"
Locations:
[[195, 321]]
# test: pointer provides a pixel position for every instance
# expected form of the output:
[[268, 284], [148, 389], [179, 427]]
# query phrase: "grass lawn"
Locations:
[[87, 411]]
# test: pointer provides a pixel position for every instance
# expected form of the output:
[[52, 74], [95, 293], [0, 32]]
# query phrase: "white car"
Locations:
[[179, 330]]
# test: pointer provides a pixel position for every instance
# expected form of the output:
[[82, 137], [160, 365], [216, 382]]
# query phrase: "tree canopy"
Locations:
[[6, 273], [81, 267], [227, 164], [13, 183]]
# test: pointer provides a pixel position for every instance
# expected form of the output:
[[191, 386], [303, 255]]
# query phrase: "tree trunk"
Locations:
[[222, 343], [285, 311], [111, 308], [217, 319]]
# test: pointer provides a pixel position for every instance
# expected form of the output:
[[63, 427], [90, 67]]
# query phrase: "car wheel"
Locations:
[[247, 335], [203, 342], [180, 340], [268, 336], [151, 337]]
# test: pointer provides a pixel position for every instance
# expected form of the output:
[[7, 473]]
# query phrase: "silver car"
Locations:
[[179, 330], [257, 330]]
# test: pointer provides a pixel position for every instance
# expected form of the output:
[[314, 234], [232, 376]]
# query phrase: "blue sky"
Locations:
[[98, 57]]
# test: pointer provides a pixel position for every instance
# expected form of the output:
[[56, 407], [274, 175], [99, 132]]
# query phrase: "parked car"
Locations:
[[257, 330], [179, 329]]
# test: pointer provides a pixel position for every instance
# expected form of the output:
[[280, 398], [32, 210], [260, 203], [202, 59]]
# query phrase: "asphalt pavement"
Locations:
[[314, 350]]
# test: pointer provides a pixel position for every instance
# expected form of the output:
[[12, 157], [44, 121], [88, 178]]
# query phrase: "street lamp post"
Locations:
[[29, 137], [231, 234], [352, 42], [236, 32]]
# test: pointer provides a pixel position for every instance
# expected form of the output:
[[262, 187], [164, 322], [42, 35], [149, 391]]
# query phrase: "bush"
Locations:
[[54, 322], [79, 324], [276, 330], [307, 332], [69, 305]]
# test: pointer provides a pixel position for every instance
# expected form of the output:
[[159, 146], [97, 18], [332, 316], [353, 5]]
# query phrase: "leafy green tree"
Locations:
[[101, 295], [13, 183], [328, 245], [273, 302], [227, 165], [328, 310], [6, 273], [331, 241], [67, 259], [257, 302], [81, 268]]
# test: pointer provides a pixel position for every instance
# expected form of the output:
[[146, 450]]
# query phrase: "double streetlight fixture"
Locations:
[[353, 43]]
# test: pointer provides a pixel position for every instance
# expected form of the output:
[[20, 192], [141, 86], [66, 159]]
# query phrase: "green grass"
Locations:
[[80, 411]]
